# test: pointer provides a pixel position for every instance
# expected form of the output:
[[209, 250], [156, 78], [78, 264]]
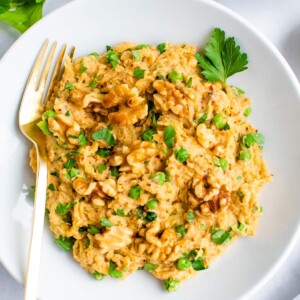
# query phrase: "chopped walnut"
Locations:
[[129, 116], [122, 94], [170, 98]]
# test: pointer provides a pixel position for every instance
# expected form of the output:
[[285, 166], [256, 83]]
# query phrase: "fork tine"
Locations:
[[38, 63], [55, 75], [43, 79], [71, 53]]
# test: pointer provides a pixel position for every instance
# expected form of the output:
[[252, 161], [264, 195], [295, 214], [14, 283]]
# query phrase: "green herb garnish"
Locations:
[[222, 57], [190, 217], [21, 14], [106, 223], [251, 138], [63, 209], [169, 136], [148, 135], [113, 272], [103, 152], [221, 162], [161, 47], [101, 168], [92, 229], [181, 229], [120, 213], [150, 267], [65, 243], [106, 135], [139, 73], [98, 276], [114, 171], [112, 57], [189, 82], [174, 76], [135, 192], [202, 118], [220, 236], [69, 86], [198, 264], [150, 216], [136, 54]]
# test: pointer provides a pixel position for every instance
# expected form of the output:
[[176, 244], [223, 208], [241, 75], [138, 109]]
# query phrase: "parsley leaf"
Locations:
[[112, 57], [104, 134], [136, 54], [135, 192], [220, 236], [148, 135], [150, 267], [21, 14], [63, 209], [169, 136], [222, 57], [139, 73], [65, 243], [106, 223], [113, 272]]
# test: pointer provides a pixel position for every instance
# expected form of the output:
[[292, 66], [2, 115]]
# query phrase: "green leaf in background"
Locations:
[[21, 14]]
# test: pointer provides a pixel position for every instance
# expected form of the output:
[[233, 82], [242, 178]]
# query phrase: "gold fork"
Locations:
[[30, 113]]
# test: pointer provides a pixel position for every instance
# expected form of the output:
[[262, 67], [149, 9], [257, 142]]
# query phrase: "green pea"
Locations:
[[219, 121], [152, 204], [183, 263]]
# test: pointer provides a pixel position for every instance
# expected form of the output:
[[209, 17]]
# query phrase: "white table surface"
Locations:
[[279, 21]]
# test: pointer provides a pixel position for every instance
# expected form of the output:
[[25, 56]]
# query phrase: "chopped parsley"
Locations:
[[189, 82], [139, 73], [202, 119], [135, 192], [150, 267], [65, 243], [220, 236], [106, 135], [103, 152], [101, 168], [221, 162], [63, 209], [136, 54], [181, 230], [174, 76], [113, 272], [148, 135], [112, 57], [114, 171], [161, 47], [106, 223], [169, 136]]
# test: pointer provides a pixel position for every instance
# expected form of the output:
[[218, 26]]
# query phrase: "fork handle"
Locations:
[[34, 257]]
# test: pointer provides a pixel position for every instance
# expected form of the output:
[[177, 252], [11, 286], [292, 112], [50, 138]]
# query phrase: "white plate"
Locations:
[[90, 25]]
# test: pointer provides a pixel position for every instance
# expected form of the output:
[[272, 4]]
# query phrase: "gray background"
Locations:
[[279, 20]]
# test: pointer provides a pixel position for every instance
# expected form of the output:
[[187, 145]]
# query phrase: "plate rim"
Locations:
[[271, 47]]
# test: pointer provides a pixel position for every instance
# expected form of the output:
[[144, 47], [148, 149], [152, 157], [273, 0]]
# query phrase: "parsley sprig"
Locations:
[[222, 57]]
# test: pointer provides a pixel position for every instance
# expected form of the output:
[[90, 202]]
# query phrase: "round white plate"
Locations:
[[269, 82]]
